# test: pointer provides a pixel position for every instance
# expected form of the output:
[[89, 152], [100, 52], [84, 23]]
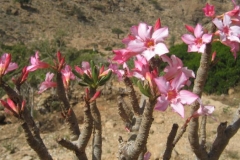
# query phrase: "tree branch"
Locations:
[[224, 134], [97, 129], [203, 132], [123, 110], [35, 144], [71, 119], [199, 83], [168, 152], [132, 95], [131, 150]]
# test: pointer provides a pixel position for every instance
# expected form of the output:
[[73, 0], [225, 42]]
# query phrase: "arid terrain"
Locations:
[[14, 146], [89, 24]]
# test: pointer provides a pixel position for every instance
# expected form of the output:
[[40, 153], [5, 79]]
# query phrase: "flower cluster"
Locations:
[[146, 44]]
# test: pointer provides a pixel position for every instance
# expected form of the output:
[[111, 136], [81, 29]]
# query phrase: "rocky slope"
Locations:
[[89, 23]]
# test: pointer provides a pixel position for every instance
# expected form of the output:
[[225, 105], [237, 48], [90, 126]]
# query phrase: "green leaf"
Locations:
[[92, 64], [104, 79], [95, 74], [87, 79], [144, 90], [81, 83], [77, 74]]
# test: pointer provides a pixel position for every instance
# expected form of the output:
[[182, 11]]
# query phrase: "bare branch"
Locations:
[[198, 89], [224, 134], [132, 149], [87, 129], [79, 146], [31, 130], [97, 129], [132, 95], [123, 110], [203, 132], [69, 145], [36, 145], [168, 152], [71, 119]]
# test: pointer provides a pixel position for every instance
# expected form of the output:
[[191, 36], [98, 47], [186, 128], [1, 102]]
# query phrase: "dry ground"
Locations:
[[13, 145]]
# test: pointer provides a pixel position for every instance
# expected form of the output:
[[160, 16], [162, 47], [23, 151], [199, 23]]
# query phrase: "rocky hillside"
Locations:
[[89, 23]]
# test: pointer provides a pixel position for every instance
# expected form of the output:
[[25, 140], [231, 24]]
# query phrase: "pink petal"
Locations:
[[160, 34], [178, 107], [192, 48], [207, 38], [85, 65], [202, 48], [134, 30], [227, 20], [218, 23], [11, 67], [147, 156], [157, 24], [189, 28], [12, 105], [198, 31], [187, 97], [162, 85], [136, 46], [179, 81], [162, 103], [148, 54], [161, 49], [49, 76], [144, 31], [213, 55], [188, 38]]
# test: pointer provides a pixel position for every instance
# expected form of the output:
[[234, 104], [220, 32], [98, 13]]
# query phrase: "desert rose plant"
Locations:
[[161, 87]]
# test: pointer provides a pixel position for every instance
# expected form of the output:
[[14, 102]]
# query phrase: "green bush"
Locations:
[[117, 31], [22, 2], [221, 76]]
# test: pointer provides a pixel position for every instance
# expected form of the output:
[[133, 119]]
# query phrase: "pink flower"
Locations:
[[36, 63], [235, 13], [234, 47], [150, 76], [203, 110], [141, 67], [147, 41], [120, 72], [147, 155], [213, 55], [170, 94], [123, 55], [209, 10], [60, 63], [197, 43], [12, 107], [175, 68], [226, 31], [6, 65], [190, 29], [85, 69], [22, 78], [67, 75], [47, 83], [103, 72], [115, 69]]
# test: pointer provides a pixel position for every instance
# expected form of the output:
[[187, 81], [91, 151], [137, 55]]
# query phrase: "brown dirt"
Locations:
[[14, 146]]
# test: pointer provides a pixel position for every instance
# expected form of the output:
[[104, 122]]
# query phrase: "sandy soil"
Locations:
[[13, 145]]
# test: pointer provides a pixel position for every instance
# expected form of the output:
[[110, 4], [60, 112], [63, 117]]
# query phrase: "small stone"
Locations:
[[27, 158], [110, 124]]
